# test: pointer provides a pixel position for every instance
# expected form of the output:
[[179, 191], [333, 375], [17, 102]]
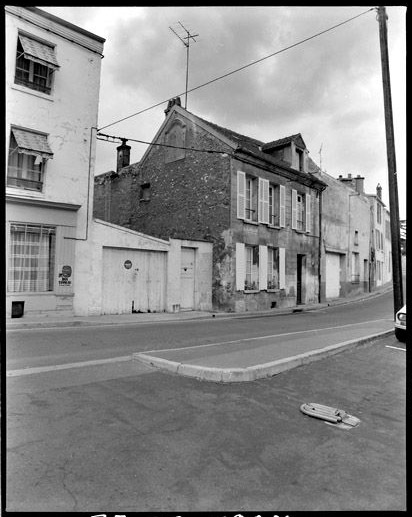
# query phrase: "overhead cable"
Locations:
[[158, 144], [239, 69]]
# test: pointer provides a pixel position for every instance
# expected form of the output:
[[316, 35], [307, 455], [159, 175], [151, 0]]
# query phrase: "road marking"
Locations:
[[260, 337], [44, 369], [396, 347]]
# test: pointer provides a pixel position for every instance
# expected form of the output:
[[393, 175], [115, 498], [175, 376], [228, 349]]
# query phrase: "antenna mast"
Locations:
[[186, 42]]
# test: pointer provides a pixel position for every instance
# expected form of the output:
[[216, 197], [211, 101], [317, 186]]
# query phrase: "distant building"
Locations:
[[257, 202], [345, 237], [381, 244]]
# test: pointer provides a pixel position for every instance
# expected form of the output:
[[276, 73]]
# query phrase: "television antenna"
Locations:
[[186, 42]]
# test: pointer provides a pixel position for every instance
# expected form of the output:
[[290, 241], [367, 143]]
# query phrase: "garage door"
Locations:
[[133, 280], [332, 275]]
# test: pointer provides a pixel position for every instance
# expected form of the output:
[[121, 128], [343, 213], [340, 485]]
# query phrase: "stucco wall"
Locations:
[[66, 115], [344, 211], [89, 274]]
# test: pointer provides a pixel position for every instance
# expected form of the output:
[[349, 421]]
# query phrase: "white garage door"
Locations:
[[133, 280], [332, 275]]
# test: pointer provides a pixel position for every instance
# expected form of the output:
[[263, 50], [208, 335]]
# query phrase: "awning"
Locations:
[[39, 52], [32, 143]]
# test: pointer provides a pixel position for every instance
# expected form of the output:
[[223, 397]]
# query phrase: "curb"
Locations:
[[252, 373]]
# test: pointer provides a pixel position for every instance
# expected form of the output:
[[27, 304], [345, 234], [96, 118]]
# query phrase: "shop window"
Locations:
[[31, 258]]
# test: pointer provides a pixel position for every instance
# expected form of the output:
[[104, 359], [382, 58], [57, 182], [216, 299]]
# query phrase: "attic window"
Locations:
[[145, 192], [299, 154]]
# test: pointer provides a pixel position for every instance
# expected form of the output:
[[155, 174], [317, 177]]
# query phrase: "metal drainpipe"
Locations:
[[320, 249]]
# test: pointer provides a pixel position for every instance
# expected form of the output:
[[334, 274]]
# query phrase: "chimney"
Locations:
[[359, 184], [123, 155], [379, 191], [171, 103]]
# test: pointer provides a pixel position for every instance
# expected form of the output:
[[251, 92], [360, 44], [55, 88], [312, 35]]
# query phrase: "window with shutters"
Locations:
[[251, 268], [35, 63], [273, 268], [28, 155], [301, 211], [274, 205], [251, 197]]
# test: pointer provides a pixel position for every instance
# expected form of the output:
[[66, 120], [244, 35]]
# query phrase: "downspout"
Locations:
[[320, 249], [88, 191]]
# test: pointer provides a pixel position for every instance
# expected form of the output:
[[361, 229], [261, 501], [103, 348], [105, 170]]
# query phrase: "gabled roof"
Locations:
[[297, 139], [241, 144]]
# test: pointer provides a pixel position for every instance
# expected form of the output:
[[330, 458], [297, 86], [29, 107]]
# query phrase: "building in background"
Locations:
[[257, 202], [52, 94], [345, 237], [381, 243]]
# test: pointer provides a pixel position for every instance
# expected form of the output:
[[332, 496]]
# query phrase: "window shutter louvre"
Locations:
[[308, 213], [260, 201], [266, 201], [263, 268], [282, 270], [240, 266], [263, 216], [241, 194], [294, 209], [282, 218]]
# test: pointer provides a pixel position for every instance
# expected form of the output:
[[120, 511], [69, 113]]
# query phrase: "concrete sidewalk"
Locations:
[[29, 321], [256, 358]]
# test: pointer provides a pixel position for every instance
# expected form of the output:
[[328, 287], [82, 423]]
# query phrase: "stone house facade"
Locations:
[[256, 202]]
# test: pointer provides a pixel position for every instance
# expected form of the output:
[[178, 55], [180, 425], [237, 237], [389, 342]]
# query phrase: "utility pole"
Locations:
[[186, 42], [392, 174]]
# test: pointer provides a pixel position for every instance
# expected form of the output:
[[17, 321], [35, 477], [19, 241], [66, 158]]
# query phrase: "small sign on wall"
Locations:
[[65, 273]]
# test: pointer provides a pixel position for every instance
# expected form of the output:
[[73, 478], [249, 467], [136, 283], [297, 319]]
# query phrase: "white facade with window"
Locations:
[[52, 94]]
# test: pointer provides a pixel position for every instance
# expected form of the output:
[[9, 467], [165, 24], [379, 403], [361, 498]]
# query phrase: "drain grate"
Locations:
[[330, 415]]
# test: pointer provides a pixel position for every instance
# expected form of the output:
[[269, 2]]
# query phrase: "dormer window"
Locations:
[[301, 160]]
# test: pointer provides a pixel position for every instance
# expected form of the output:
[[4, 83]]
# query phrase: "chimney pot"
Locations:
[[175, 101], [123, 155]]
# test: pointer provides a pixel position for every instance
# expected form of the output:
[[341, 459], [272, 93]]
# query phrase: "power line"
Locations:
[[241, 68], [158, 144]]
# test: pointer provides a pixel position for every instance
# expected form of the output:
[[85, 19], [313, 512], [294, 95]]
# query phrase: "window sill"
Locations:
[[26, 192], [274, 227], [273, 290], [254, 223], [36, 93], [251, 291]]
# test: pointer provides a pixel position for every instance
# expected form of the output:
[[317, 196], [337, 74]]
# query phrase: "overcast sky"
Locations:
[[329, 89]]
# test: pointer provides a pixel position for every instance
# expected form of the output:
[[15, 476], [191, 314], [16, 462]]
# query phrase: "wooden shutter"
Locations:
[[263, 216], [282, 218], [241, 194], [294, 209], [240, 266], [263, 268], [282, 268], [308, 213]]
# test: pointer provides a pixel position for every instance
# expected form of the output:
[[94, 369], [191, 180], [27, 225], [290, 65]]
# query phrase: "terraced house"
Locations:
[[256, 202]]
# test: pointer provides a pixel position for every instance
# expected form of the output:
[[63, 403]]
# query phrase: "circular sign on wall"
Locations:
[[127, 264]]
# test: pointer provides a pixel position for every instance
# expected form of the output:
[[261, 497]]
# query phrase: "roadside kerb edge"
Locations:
[[251, 373]]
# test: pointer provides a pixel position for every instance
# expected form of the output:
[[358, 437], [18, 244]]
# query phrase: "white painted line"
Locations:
[[44, 369], [261, 337], [396, 347]]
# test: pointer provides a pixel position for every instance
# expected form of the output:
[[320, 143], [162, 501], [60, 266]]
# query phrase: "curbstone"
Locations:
[[252, 373]]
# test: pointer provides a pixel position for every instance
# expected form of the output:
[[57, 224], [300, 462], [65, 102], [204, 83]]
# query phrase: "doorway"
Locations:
[[299, 279]]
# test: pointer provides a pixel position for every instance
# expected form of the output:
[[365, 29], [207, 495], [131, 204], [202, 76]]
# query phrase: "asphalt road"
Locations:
[[40, 347], [113, 438]]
